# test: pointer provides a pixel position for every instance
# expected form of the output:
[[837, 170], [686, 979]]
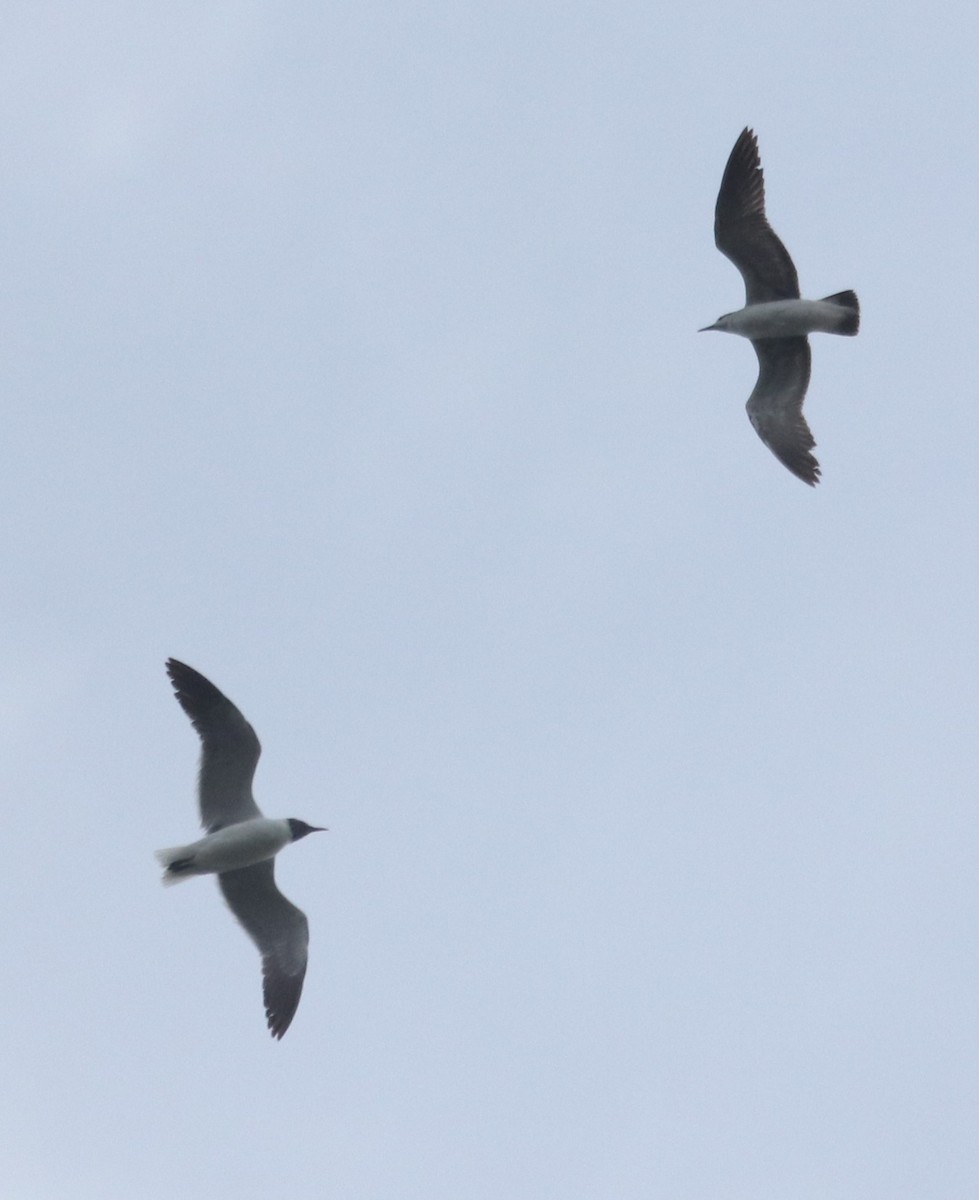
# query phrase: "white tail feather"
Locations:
[[166, 857]]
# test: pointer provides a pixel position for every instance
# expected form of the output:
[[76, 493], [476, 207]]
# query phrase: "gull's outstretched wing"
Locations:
[[742, 231], [775, 406], [229, 749], [279, 930]]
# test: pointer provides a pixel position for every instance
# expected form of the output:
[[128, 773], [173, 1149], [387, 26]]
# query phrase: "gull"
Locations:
[[774, 317], [241, 844]]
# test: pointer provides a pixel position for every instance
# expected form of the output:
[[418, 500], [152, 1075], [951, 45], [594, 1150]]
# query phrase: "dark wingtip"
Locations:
[[805, 468], [746, 148], [281, 994], [742, 187], [192, 688], [179, 672]]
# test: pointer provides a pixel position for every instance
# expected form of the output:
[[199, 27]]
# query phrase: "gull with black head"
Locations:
[[775, 319], [240, 845]]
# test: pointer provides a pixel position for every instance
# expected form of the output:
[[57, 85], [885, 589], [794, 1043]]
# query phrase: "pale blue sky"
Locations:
[[349, 355]]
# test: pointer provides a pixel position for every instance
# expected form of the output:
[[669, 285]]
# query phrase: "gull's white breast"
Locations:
[[785, 318], [238, 845]]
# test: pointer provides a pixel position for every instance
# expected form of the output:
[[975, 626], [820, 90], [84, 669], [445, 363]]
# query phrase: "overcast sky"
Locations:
[[349, 354]]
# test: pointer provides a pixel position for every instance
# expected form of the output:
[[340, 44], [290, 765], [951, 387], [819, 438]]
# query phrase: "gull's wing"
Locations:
[[279, 930], [229, 749], [742, 231], [775, 406]]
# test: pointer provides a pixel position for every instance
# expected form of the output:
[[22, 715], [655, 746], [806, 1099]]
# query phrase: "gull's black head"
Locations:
[[299, 829]]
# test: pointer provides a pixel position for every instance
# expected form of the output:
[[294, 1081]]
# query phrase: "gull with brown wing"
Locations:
[[241, 844], [774, 318]]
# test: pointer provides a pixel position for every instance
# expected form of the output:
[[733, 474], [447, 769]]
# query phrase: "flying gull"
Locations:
[[241, 844], [774, 318]]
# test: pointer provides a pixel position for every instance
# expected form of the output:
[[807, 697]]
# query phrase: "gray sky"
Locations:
[[349, 355]]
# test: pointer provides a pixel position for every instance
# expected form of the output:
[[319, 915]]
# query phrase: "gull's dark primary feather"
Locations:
[[775, 406], [229, 749], [742, 231], [279, 930]]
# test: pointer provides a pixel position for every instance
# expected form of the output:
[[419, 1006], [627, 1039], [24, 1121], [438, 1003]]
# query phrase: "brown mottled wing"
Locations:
[[279, 930], [742, 231], [775, 406], [229, 749]]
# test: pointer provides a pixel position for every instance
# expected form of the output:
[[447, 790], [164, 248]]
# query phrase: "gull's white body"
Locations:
[[228, 849], [782, 318]]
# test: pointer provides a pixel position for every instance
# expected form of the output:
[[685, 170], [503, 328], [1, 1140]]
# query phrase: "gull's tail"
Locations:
[[177, 863], [849, 307]]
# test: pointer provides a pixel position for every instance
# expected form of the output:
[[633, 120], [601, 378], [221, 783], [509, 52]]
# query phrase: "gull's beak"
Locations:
[[707, 328]]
